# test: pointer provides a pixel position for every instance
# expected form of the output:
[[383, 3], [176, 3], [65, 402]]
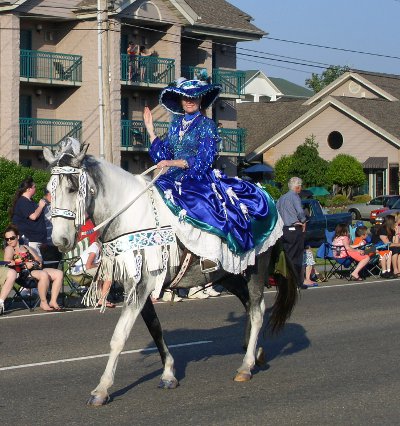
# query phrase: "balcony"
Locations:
[[50, 68], [233, 141], [232, 81], [39, 132], [134, 135], [149, 71]]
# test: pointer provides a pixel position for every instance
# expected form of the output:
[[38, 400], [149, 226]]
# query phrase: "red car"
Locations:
[[374, 213], [389, 205]]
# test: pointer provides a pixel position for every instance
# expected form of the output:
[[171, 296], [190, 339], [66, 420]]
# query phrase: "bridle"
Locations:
[[80, 216], [56, 172]]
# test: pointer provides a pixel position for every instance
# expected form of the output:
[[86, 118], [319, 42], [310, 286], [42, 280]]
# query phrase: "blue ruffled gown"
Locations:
[[239, 212]]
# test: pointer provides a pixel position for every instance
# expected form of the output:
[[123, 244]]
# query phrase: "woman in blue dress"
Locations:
[[239, 212]]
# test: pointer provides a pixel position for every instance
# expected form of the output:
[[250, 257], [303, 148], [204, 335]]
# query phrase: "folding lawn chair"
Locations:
[[339, 267], [24, 291], [78, 284]]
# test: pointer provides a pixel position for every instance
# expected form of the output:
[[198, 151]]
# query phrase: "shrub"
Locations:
[[364, 198], [272, 190], [11, 176], [337, 200]]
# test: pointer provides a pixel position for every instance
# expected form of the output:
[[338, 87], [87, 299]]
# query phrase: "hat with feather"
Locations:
[[171, 96]]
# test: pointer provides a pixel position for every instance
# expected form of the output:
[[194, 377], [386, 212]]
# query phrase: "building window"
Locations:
[[335, 140]]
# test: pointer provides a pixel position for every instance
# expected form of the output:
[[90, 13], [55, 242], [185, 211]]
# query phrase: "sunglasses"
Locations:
[[10, 238]]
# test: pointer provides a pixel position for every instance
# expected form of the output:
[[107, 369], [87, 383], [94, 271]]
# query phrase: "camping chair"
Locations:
[[24, 291], [77, 283], [339, 267]]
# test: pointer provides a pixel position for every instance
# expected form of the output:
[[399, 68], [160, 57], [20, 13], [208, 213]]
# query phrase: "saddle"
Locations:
[[193, 271]]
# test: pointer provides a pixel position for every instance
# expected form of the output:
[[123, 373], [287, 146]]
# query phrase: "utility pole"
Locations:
[[103, 27], [100, 75]]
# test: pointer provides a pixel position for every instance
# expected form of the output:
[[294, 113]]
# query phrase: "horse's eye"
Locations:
[[71, 191]]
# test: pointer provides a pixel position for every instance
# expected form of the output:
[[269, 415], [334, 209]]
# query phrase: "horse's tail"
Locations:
[[286, 284]]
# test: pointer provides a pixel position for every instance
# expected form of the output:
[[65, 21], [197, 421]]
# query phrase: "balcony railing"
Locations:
[[232, 81], [147, 69], [134, 134], [233, 141], [47, 132], [51, 66]]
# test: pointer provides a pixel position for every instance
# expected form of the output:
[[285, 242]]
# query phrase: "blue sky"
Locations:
[[361, 25]]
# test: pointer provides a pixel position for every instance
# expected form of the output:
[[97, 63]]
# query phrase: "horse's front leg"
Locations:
[[149, 315], [120, 335]]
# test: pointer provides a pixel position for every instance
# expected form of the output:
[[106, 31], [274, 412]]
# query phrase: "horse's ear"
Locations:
[[48, 155], [82, 154]]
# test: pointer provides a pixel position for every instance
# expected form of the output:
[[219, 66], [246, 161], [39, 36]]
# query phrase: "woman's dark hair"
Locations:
[[341, 230], [11, 228], [25, 184], [389, 224]]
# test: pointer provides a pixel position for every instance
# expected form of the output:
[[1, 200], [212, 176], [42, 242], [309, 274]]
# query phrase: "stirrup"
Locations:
[[207, 266]]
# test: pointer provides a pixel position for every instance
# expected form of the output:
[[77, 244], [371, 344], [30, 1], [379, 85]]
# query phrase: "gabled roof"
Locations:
[[211, 14], [263, 120], [366, 79], [222, 14], [290, 89], [388, 82], [271, 122]]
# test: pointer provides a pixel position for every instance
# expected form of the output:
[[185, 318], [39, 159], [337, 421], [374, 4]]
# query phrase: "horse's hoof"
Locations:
[[97, 401], [168, 384], [260, 358], [242, 377]]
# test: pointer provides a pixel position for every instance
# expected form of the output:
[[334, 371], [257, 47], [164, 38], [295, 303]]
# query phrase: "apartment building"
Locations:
[[49, 73]]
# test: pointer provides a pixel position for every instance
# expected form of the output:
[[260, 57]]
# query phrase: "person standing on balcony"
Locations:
[[132, 51], [28, 216], [143, 63], [241, 214]]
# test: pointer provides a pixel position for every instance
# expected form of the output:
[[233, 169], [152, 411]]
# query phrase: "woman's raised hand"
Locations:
[[148, 122]]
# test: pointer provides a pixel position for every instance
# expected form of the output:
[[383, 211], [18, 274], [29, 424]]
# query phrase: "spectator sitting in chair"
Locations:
[[344, 249], [25, 260], [90, 261]]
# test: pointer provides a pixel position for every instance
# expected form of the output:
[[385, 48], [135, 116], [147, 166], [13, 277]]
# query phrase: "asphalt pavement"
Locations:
[[336, 363]]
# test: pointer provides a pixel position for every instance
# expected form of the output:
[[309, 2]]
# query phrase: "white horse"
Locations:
[[140, 250]]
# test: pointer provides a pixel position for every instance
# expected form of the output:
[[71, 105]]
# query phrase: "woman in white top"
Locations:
[[90, 261]]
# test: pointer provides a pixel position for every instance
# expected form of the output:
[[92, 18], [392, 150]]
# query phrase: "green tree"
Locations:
[[282, 171], [318, 82], [11, 175], [346, 172], [308, 165]]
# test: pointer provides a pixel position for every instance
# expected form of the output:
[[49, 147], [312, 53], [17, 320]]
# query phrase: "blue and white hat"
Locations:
[[171, 96]]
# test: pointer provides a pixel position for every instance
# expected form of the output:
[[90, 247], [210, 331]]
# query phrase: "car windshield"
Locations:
[[395, 205]]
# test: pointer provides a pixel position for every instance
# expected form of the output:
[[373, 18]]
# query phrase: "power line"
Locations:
[[333, 48]]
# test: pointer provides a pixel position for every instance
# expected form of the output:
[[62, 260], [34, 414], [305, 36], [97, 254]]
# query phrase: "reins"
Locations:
[[149, 185]]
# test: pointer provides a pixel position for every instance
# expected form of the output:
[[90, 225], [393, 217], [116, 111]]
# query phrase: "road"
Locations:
[[335, 363]]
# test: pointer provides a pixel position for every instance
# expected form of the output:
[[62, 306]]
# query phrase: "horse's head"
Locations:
[[71, 189]]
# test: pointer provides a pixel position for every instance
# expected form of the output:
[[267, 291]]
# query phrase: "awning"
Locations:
[[376, 163]]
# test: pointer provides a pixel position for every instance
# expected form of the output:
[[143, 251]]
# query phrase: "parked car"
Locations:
[[389, 205], [395, 209], [318, 221], [363, 210]]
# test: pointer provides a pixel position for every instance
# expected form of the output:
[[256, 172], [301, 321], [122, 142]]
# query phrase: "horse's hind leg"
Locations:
[[168, 380], [119, 337], [256, 315]]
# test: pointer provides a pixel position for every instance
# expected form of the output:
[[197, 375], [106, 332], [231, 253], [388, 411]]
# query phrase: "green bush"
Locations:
[[337, 200], [364, 198], [272, 190], [11, 176]]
